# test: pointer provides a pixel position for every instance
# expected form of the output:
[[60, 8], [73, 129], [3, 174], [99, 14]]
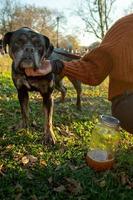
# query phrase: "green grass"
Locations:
[[60, 171]]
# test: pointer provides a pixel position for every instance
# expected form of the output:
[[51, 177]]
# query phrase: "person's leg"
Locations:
[[122, 109]]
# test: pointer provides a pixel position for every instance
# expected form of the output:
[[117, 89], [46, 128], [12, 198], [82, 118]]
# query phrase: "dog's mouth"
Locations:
[[27, 63]]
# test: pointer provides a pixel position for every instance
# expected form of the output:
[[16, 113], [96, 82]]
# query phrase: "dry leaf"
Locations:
[[18, 188], [10, 146], [60, 188], [130, 186], [33, 197], [29, 160], [72, 167], [25, 160], [18, 196], [102, 183], [43, 163], [50, 179], [58, 168], [22, 131], [32, 159], [41, 153], [123, 178], [2, 169], [73, 186], [18, 156], [66, 133], [34, 124]]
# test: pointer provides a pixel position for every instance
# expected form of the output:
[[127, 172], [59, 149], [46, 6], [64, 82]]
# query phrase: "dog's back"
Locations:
[[62, 54]]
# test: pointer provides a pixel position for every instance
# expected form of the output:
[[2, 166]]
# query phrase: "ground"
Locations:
[[30, 170]]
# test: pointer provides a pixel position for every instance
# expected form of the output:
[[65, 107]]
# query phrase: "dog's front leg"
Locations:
[[23, 100], [49, 136]]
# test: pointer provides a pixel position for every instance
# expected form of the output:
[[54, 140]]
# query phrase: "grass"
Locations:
[[32, 171]]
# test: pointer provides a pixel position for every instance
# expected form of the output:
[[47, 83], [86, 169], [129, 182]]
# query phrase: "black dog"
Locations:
[[27, 48], [61, 54]]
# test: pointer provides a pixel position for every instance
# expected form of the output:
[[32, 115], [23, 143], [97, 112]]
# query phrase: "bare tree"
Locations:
[[96, 14], [33, 17], [13, 15], [7, 10]]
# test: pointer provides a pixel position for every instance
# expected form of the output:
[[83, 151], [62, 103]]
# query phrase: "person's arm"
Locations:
[[92, 69]]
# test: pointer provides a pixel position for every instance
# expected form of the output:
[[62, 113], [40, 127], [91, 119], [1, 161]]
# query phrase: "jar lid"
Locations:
[[110, 121]]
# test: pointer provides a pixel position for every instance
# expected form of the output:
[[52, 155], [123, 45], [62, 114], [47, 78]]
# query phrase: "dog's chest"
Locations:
[[41, 85]]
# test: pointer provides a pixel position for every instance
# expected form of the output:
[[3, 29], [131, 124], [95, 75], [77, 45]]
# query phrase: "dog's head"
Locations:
[[27, 48]]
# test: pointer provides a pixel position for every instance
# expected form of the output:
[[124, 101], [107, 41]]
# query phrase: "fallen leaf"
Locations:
[[50, 179], [123, 178], [73, 167], [29, 160], [66, 133], [58, 167], [2, 169], [10, 146], [60, 188], [73, 186], [32, 159], [41, 153], [43, 163], [130, 185], [22, 131], [18, 156], [18, 196], [102, 183], [33, 197], [18, 188], [25, 160], [34, 124]]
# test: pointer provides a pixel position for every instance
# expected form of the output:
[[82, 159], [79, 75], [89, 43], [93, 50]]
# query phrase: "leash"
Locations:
[[69, 55]]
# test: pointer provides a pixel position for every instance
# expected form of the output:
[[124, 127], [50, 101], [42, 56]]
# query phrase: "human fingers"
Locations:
[[29, 71]]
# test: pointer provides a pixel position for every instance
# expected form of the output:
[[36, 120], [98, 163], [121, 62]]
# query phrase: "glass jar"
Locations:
[[103, 142]]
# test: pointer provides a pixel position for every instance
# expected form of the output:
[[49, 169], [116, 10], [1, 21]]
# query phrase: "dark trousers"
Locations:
[[122, 109]]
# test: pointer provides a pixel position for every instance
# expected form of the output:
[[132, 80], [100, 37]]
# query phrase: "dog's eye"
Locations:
[[37, 43], [19, 42]]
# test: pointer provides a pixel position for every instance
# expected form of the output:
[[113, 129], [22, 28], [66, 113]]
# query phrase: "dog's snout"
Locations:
[[29, 50]]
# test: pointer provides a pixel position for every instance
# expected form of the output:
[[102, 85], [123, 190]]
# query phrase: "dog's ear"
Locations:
[[49, 50], [49, 47], [47, 41], [6, 40]]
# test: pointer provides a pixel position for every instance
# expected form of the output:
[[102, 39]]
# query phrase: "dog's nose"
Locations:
[[29, 50]]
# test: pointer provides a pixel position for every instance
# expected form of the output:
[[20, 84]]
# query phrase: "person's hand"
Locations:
[[43, 70]]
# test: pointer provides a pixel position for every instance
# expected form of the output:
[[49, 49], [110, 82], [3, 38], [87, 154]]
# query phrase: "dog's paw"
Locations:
[[49, 137], [21, 125]]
